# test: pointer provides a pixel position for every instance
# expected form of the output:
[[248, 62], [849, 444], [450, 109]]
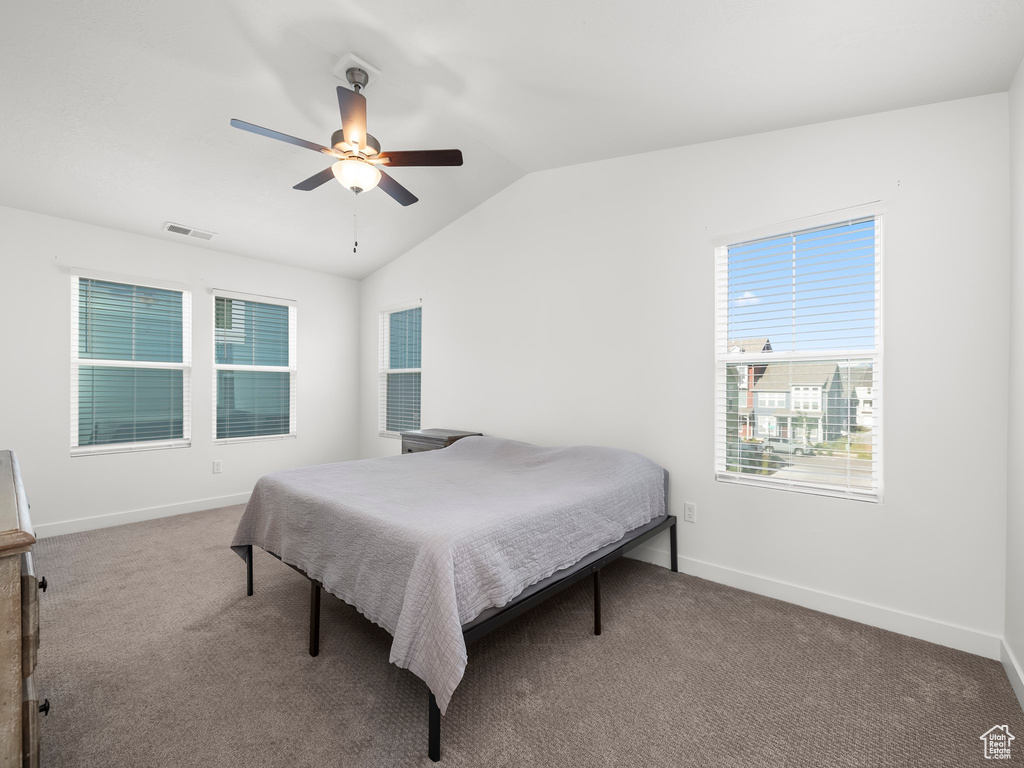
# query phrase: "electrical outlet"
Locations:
[[689, 512], [216, 466]]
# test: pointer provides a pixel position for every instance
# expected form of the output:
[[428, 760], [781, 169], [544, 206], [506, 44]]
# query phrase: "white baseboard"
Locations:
[[1014, 671], [934, 631], [43, 530]]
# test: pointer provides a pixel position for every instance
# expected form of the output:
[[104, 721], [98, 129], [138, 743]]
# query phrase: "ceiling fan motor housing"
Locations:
[[372, 145]]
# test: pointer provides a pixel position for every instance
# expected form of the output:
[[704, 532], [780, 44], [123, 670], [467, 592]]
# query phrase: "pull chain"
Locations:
[[355, 235]]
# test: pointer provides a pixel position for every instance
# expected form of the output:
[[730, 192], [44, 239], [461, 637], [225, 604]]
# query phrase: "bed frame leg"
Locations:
[[597, 602], [434, 730], [314, 618], [248, 570], [673, 548]]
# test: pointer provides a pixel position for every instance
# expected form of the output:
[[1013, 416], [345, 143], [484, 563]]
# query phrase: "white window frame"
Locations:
[[292, 368], [724, 357], [185, 366], [384, 354]]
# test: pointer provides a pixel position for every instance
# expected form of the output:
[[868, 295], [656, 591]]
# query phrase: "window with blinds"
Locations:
[[130, 367], [798, 359], [254, 367], [400, 361]]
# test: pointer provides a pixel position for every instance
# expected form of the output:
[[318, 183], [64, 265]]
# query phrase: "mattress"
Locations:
[[422, 543]]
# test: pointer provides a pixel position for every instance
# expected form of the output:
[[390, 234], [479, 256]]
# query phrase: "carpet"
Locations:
[[152, 655]]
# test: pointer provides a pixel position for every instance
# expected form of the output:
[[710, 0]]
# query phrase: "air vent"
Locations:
[[180, 230]]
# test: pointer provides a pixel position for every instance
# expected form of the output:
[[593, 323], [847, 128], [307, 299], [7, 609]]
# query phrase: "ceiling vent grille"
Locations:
[[178, 229]]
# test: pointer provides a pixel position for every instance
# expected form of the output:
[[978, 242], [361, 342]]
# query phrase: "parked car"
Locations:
[[785, 445]]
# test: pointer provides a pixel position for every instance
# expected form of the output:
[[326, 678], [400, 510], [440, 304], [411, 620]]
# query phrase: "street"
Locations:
[[810, 468]]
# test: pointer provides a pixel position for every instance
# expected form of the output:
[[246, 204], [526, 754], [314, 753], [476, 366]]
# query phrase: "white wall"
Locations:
[[73, 493], [1015, 455], [576, 307]]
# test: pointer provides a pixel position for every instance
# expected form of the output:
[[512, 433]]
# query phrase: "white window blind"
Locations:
[[400, 369], [130, 367], [254, 366], [798, 347]]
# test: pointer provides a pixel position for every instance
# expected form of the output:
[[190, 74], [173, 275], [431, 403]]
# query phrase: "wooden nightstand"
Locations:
[[432, 439]]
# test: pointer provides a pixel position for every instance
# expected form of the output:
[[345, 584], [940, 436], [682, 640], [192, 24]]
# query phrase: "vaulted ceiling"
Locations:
[[116, 113]]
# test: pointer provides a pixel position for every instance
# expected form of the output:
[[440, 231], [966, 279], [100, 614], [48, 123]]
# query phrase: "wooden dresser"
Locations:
[[432, 439], [19, 624]]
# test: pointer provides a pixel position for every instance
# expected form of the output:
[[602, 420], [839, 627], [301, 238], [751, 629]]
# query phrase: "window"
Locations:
[[806, 398], [814, 295], [130, 366], [400, 360], [254, 367]]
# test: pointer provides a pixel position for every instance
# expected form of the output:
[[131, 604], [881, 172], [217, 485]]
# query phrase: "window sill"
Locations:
[[393, 435], [253, 439], [874, 497], [98, 450]]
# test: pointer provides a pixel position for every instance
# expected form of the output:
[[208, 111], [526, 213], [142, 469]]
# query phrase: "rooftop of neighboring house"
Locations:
[[780, 377], [790, 413], [750, 345]]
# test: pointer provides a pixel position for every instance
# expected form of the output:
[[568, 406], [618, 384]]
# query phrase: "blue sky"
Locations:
[[808, 291]]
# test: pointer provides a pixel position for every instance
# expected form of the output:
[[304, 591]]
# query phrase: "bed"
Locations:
[[441, 547]]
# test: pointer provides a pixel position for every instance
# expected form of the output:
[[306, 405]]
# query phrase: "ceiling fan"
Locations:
[[359, 161]]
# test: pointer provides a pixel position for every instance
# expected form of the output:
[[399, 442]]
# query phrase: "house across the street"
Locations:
[[801, 401]]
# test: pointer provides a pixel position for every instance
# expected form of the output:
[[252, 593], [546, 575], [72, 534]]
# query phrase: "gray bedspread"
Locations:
[[422, 543]]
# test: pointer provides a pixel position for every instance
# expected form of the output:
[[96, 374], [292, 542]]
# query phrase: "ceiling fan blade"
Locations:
[[396, 190], [422, 157], [353, 116], [279, 136], [315, 181]]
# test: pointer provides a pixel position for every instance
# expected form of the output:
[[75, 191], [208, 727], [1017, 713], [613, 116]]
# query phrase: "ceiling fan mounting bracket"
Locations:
[[357, 78]]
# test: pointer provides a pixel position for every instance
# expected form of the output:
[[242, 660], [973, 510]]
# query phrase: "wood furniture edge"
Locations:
[[18, 720], [13, 541]]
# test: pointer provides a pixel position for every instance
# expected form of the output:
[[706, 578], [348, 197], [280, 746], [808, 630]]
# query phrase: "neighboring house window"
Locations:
[[254, 341], [130, 366], [815, 293], [400, 368], [769, 399], [806, 398]]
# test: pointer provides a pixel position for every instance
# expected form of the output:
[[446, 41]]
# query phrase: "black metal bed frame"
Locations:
[[491, 619]]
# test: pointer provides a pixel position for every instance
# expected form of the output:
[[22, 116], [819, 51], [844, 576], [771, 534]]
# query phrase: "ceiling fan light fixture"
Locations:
[[357, 175]]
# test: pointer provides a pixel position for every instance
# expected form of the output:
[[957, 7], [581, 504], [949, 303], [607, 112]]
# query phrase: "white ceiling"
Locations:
[[116, 112]]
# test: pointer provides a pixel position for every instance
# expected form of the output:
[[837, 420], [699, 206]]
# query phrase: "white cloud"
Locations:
[[747, 299]]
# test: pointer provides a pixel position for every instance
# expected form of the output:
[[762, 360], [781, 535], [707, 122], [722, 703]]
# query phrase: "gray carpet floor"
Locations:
[[152, 655]]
